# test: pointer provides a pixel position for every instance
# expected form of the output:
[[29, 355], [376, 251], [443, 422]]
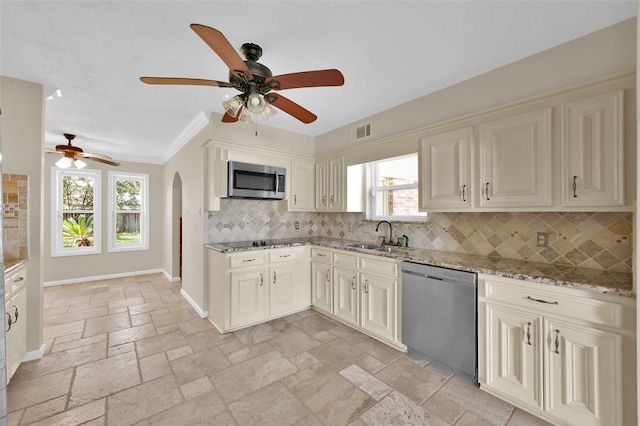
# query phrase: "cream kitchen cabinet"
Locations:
[[302, 192], [331, 185], [250, 287], [445, 164], [321, 280], [15, 319], [515, 161], [593, 165], [558, 353]]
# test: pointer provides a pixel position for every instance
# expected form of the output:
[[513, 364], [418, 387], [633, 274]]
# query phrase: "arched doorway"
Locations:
[[176, 225]]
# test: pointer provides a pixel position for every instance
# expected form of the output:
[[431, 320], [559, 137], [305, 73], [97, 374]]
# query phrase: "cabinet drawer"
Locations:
[[379, 266], [321, 255], [283, 255], [581, 305], [250, 258], [344, 258], [15, 281]]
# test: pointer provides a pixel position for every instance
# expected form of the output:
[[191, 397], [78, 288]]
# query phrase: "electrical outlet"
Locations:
[[297, 225], [542, 239]]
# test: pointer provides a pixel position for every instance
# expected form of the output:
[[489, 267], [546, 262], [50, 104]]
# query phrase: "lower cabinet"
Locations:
[[15, 319], [365, 292], [558, 353], [251, 287]]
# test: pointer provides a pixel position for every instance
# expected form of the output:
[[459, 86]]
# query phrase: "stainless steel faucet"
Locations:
[[390, 232]]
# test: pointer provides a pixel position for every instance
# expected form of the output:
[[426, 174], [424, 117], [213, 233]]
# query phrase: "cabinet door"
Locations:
[[345, 294], [321, 287], [378, 305], [513, 352], [18, 311], [248, 296], [303, 190], [283, 296], [337, 198], [445, 170], [9, 339], [593, 151], [322, 185], [515, 161], [583, 375]]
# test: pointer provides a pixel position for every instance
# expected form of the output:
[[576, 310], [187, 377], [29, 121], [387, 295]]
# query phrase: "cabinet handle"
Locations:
[[295, 200], [321, 255], [464, 197], [248, 260], [541, 301], [15, 314], [18, 279], [324, 200], [333, 200], [366, 286], [528, 333], [284, 255], [261, 279], [274, 277], [574, 186], [327, 275], [9, 321], [353, 283], [486, 191], [556, 342]]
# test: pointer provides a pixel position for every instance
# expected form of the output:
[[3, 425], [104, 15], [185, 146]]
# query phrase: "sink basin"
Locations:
[[390, 249], [363, 246]]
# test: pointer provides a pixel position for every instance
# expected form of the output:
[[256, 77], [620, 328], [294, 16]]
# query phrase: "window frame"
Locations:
[[374, 191], [112, 247], [57, 248]]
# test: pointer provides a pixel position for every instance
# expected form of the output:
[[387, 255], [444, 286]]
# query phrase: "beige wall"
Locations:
[[603, 53], [60, 270], [22, 105]]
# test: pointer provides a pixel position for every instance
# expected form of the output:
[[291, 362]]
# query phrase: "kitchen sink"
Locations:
[[363, 246], [390, 249]]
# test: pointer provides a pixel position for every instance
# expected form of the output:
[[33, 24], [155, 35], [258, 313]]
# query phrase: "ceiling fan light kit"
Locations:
[[254, 80], [71, 155]]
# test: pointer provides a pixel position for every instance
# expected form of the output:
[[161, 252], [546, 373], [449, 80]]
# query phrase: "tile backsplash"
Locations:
[[16, 214], [591, 240]]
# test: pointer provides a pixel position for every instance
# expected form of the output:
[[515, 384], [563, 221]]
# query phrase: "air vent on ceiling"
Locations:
[[361, 132]]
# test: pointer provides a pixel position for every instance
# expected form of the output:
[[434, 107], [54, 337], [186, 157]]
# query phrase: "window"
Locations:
[[128, 211], [76, 212], [394, 188]]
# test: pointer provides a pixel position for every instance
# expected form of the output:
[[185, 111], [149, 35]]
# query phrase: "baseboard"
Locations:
[[33, 355], [203, 314], [108, 277], [170, 278]]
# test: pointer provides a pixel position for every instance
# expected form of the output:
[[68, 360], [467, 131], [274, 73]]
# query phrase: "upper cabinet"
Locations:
[[331, 185], [515, 161], [593, 172], [302, 193], [445, 170]]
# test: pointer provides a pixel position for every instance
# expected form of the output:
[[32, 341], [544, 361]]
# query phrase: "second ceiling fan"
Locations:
[[254, 80]]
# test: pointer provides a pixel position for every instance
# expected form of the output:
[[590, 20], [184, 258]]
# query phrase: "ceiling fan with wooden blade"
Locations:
[[72, 154], [254, 80]]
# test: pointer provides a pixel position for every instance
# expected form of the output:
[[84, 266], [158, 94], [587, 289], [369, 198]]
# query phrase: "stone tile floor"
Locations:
[[132, 351]]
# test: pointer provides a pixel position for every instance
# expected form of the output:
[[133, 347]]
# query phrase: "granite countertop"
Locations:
[[13, 263], [606, 282]]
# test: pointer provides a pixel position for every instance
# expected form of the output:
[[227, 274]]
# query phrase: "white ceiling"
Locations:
[[390, 52]]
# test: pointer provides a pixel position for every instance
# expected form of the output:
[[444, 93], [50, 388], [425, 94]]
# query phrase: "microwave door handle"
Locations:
[[277, 183]]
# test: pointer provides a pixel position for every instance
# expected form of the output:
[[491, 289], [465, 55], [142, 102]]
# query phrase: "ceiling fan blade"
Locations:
[[318, 78], [99, 158], [219, 43], [228, 118], [184, 81], [290, 108]]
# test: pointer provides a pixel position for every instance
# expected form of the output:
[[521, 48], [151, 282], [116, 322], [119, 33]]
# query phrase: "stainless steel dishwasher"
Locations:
[[439, 316]]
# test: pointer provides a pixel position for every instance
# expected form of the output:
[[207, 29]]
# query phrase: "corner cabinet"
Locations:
[[331, 185], [559, 353], [250, 287], [445, 170], [593, 172], [15, 319]]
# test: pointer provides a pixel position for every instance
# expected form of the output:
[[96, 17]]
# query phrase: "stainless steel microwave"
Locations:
[[256, 181]]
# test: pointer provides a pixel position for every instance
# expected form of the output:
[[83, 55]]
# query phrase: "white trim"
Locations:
[[33, 355], [169, 277], [102, 277], [198, 123], [144, 212], [194, 305]]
